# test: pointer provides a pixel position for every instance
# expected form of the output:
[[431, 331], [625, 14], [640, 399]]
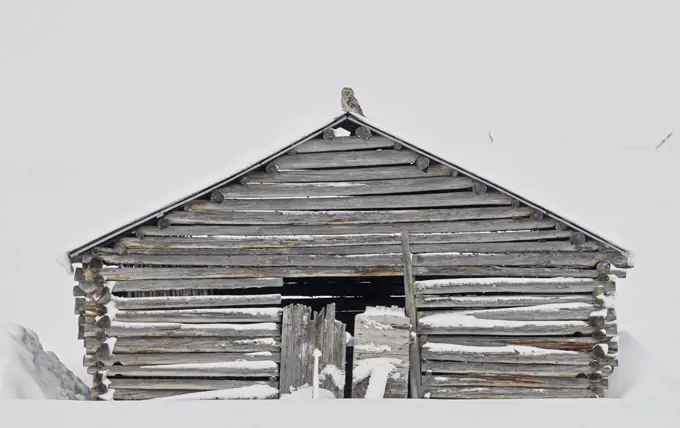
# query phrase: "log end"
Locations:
[[271, 168], [515, 203], [87, 287], [95, 263], [363, 133], [79, 275], [328, 134], [244, 181], [104, 322], [163, 223], [600, 334], [536, 215], [101, 310], [604, 266], [578, 238], [479, 188], [217, 196], [561, 226], [596, 321], [397, 146], [292, 152], [599, 351], [422, 162], [454, 173], [119, 248]]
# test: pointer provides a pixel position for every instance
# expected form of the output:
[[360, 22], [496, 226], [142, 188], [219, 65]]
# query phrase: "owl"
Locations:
[[349, 103]]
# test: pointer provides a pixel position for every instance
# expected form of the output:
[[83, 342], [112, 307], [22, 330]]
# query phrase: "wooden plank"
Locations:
[[434, 351], [424, 200], [344, 144], [489, 271], [411, 311], [511, 285], [504, 369], [351, 174], [497, 393], [149, 394], [202, 316], [136, 345], [584, 343], [179, 302], [237, 369], [431, 383], [125, 329], [347, 229], [194, 284], [346, 188], [184, 358], [294, 356], [548, 259], [185, 384], [342, 217], [345, 159], [497, 301], [543, 312], [291, 241]]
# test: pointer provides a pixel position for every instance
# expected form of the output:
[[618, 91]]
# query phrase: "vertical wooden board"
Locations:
[[295, 327], [415, 376]]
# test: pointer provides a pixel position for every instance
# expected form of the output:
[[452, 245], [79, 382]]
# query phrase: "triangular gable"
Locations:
[[349, 122]]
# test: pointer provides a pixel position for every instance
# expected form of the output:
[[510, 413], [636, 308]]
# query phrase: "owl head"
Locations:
[[347, 92]]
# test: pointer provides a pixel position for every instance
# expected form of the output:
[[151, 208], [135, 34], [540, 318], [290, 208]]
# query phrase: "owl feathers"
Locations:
[[349, 102]]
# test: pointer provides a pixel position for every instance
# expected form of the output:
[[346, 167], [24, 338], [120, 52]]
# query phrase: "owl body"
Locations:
[[349, 103]]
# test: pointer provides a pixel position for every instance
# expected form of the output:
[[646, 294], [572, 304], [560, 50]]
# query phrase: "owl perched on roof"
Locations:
[[349, 102]]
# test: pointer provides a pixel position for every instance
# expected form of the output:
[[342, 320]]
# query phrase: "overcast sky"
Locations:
[[111, 109]]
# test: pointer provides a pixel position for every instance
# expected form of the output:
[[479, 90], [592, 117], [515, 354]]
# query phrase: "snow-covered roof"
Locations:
[[345, 118]]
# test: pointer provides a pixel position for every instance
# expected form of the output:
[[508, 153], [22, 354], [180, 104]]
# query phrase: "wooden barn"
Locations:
[[350, 263]]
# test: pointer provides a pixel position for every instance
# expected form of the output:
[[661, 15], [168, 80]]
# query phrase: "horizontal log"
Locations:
[[342, 217], [423, 200], [512, 285], [543, 312], [435, 351], [504, 369], [548, 259], [122, 274], [584, 343], [203, 316], [351, 174], [151, 394], [136, 345], [344, 144], [498, 393], [346, 229], [252, 369], [126, 329], [347, 188], [339, 240], [345, 159], [194, 284], [443, 382], [181, 358], [497, 301], [185, 384], [179, 302], [493, 247]]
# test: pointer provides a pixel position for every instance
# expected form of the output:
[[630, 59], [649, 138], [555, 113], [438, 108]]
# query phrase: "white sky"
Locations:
[[111, 109]]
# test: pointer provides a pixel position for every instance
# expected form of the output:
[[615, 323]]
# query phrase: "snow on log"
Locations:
[[512, 285], [203, 316], [584, 343], [136, 345], [505, 369], [502, 354], [250, 369], [142, 329], [194, 284], [491, 393], [496, 301], [181, 358], [544, 312], [491, 381], [213, 301]]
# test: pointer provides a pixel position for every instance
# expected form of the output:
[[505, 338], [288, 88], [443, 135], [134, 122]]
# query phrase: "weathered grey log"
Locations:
[[79, 274], [543, 312], [361, 158], [77, 292], [343, 217], [435, 351], [179, 302], [347, 229], [497, 393], [237, 369], [123, 329], [102, 350], [578, 238], [136, 345], [203, 316], [511, 285], [271, 168], [122, 274], [185, 384], [93, 264], [605, 265], [81, 330], [79, 307], [87, 287], [328, 134], [537, 215], [351, 174], [149, 394], [600, 350], [410, 310], [488, 369], [294, 357], [416, 200], [104, 296], [479, 188], [499, 301], [181, 358], [482, 381], [195, 284], [350, 188], [162, 223], [546, 342], [422, 162], [291, 241], [363, 132], [547, 259], [344, 144]]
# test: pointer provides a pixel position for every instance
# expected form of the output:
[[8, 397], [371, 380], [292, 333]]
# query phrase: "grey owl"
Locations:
[[349, 102]]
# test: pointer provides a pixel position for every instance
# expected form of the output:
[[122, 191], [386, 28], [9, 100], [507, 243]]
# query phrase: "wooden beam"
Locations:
[[344, 144], [195, 284], [238, 369], [548, 259], [411, 312], [431, 383], [346, 229], [182, 358], [423, 162], [181, 302], [202, 316], [151, 394], [498, 393], [546, 342], [505, 369], [345, 159], [136, 345], [351, 174], [125, 329], [497, 301], [512, 285], [184, 384], [573, 311], [434, 351], [342, 217], [424, 200]]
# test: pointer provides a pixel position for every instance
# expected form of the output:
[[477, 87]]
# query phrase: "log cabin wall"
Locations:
[[193, 302]]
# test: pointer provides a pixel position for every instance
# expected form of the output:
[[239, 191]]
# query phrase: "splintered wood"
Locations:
[[303, 333], [381, 340]]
